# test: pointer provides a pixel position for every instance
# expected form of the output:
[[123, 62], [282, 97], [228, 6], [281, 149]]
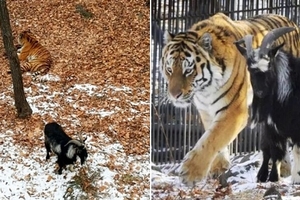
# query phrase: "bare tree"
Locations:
[[22, 106]]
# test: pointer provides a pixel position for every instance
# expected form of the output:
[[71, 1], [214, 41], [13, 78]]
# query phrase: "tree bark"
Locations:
[[22, 106]]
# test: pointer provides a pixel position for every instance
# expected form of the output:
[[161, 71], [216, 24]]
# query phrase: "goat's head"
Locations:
[[264, 58], [261, 57], [79, 149]]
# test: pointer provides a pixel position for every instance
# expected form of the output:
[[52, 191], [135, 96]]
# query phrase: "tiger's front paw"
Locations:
[[220, 164], [194, 167], [285, 168]]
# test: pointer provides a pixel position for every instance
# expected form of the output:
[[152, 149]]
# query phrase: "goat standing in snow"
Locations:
[[275, 79], [63, 146]]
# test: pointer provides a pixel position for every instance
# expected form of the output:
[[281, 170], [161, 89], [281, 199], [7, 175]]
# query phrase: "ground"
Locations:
[[240, 183], [98, 87]]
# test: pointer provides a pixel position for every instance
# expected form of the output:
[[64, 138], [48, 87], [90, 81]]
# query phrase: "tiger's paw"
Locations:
[[220, 164], [285, 168], [194, 167]]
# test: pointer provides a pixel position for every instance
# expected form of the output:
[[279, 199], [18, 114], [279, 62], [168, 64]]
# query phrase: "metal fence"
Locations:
[[175, 131]]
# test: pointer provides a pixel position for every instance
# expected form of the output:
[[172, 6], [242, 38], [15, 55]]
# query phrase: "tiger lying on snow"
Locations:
[[203, 67]]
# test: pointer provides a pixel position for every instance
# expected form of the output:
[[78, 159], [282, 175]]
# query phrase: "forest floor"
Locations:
[[99, 87]]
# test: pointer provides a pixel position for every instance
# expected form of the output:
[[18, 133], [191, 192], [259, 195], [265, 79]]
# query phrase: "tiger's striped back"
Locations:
[[257, 26], [33, 57]]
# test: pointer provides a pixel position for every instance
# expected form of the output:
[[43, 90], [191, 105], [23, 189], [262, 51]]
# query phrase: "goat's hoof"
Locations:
[[273, 178], [262, 177]]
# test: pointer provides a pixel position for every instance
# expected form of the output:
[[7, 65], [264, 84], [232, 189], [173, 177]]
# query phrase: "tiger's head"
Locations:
[[188, 66], [26, 37]]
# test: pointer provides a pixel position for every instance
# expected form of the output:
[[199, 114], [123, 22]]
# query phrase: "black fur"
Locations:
[[285, 114], [56, 140]]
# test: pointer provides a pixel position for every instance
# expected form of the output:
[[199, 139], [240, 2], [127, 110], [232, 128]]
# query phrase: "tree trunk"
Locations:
[[22, 106]]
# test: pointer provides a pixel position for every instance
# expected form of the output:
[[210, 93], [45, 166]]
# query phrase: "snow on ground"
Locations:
[[26, 174], [165, 184], [109, 173]]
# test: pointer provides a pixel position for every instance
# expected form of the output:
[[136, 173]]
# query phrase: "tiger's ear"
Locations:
[[168, 37], [206, 42]]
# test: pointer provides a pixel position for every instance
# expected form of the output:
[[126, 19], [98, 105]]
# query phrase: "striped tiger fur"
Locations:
[[33, 57], [203, 67]]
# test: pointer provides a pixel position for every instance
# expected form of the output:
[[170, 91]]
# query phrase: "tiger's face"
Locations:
[[26, 37], [187, 66]]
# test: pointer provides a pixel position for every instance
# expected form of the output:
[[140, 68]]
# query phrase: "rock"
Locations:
[[272, 194]]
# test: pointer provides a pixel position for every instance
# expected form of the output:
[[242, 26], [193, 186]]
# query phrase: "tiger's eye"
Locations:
[[188, 71], [169, 70]]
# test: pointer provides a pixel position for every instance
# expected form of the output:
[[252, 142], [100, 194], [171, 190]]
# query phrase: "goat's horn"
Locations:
[[239, 41], [81, 139], [76, 142], [271, 37], [248, 44]]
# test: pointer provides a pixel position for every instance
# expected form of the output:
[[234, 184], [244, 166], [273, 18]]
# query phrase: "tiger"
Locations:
[[203, 68], [33, 56]]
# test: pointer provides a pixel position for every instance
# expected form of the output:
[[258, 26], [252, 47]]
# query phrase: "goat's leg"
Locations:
[[285, 169], [273, 146], [263, 172], [278, 151], [275, 171], [48, 149], [296, 164], [61, 164]]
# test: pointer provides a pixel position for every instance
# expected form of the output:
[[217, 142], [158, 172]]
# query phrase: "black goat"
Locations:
[[275, 79], [63, 146]]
